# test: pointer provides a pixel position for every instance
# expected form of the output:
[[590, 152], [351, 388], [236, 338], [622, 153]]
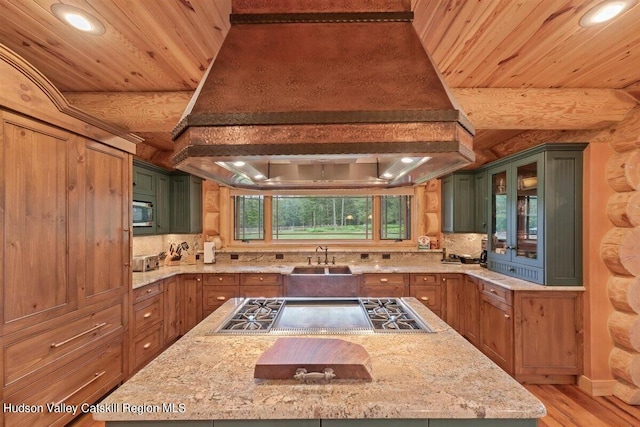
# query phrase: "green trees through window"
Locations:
[[321, 217]]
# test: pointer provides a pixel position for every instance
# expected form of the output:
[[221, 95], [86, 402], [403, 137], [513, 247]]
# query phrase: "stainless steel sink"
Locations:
[[335, 269]]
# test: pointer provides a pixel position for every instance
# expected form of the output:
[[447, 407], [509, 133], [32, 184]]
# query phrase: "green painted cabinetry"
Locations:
[[481, 200], [176, 198], [186, 204], [535, 211], [458, 203]]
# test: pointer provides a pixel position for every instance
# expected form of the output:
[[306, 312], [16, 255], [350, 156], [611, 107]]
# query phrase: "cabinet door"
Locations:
[[172, 311], [105, 221], [499, 207], [458, 203], [191, 310], [454, 312], [144, 181], [527, 213], [180, 204], [496, 331], [195, 205], [39, 192], [471, 315], [380, 285], [163, 204], [481, 188], [447, 204]]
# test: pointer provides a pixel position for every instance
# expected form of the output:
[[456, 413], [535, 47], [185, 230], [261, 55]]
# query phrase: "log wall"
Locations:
[[620, 251]]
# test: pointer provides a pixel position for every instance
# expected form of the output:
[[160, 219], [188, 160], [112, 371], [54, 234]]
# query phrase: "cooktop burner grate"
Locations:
[[325, 316]]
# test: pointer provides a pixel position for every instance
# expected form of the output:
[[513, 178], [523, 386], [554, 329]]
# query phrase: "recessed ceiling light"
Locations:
[[406, 160], [387, 175], [606, 11], [77, 18], [259, 176], [238, 164]]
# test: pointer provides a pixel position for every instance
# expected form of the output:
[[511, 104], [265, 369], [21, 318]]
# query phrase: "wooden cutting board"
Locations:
[[348, 360]]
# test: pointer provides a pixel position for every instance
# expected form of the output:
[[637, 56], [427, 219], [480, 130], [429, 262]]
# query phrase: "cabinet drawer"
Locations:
[[84, 380], [266, 291], [146, 313], [425, 279], [257, 279], [431, 296], [140, 294], [24, 357], [498, 292], [377, 290], [383, 279], [146, 345], [227, 279], [214, 296]]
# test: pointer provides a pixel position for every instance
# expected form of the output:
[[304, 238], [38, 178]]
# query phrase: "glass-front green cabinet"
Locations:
[[535, 215]]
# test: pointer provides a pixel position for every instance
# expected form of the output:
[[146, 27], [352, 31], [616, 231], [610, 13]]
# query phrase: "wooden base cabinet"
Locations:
[[191, 299], [548, 337], [427, 289], [496, 331], [380, 285]]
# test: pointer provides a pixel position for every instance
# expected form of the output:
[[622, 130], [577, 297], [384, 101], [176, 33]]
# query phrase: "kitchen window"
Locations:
[[318, 217]]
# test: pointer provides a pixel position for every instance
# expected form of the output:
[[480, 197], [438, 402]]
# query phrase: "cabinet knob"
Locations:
[[506, 316], [444, 280], [198, 279], [424, 279], [221, 298], [148, 291], [425, 298], [261, 279], [147, 345], [126, 264], [493, 291], [220, 279]]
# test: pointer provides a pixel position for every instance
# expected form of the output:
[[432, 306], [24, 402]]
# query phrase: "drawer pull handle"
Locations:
[[506, 316], [147, 345], [147, 315], [88, 331], [221, 298], [70, 395], [149, 291], [384, 280], [493, 291], [425, 298]]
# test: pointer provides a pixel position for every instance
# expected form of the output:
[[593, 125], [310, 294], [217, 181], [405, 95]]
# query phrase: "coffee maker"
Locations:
[[483, 254]]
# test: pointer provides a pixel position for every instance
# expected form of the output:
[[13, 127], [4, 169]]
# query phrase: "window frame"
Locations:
[[376, 213]]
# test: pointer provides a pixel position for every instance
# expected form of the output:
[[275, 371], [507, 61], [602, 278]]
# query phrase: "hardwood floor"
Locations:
[[567, 406]]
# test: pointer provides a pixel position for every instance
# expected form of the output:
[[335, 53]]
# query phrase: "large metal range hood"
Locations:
[[322, 97]]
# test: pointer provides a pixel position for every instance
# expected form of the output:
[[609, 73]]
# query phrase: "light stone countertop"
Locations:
[[419, 376], [142, 279]]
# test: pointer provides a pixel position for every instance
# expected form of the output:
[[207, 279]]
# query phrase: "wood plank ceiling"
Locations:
[[521, 70]]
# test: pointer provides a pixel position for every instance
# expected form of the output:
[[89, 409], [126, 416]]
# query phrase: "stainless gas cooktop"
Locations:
[[327, 316]]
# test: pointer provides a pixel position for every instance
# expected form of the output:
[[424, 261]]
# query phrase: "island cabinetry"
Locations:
[[191, 298], [217, 289], [427, 289], [454, 300], [471, 310], [548, 336], [261, 285], [496, 325], [378, 285], [147, 329]]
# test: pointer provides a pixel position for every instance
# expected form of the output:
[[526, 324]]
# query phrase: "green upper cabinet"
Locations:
[[144, 181], [163, 203], [458, 203], [176, 199], [186, 204], [481, 200], [535, 211]]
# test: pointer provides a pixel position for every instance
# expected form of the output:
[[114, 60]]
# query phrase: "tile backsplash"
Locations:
[[463, 243], [153, 245]]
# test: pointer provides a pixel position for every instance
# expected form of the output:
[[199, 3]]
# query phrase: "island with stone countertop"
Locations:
[[427, 379]]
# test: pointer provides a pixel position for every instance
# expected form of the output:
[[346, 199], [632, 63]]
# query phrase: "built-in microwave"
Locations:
[[142, 214]]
